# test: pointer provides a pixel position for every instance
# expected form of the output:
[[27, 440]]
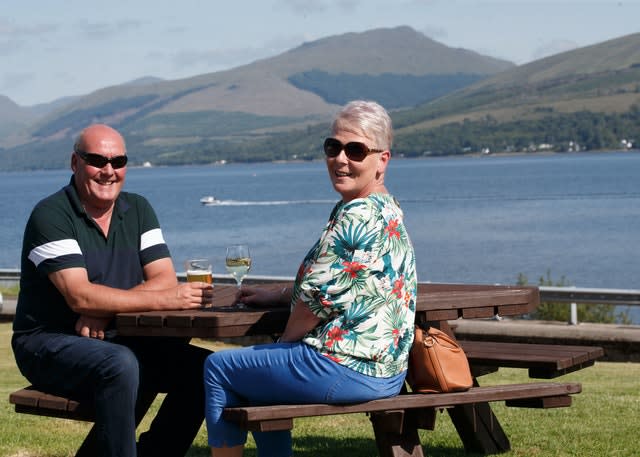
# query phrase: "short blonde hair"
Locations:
[[368, 119]]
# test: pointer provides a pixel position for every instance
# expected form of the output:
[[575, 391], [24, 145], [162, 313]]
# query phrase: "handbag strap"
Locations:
[[424, 324]]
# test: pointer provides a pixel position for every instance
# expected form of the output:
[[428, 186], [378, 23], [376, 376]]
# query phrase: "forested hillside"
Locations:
[[442, 102]]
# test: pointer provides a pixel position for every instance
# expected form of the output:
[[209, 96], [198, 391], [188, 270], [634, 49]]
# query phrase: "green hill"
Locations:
[[444, 101], [575, 96], [173, 120]]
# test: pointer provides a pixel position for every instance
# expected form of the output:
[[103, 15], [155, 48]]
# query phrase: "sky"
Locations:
[[51, 49]]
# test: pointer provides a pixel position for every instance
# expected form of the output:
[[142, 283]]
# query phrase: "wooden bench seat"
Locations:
[[532, 395], [279, 417], [32, 401], [544, 361]]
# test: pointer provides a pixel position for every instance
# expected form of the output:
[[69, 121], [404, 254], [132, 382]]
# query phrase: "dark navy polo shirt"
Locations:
[[60, 234]]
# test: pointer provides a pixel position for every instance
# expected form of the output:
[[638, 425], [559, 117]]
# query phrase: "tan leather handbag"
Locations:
[[437, 363]]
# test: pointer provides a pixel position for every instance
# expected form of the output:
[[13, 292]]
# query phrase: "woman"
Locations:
[[352, 306]]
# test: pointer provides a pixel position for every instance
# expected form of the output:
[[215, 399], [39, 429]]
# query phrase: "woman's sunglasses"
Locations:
[[354, 150], [98, 161]]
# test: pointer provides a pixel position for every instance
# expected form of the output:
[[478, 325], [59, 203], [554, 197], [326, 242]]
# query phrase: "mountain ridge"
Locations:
[[262, 94], [278, 107]]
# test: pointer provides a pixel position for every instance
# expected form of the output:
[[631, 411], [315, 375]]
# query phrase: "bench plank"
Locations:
[[396, 420], [253, 417], [31, 401], [543, 360]]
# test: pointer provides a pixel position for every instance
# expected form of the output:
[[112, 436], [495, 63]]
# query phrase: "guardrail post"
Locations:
[[573, 320]]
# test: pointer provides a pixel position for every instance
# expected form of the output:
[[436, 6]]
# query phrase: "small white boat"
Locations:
[[208, 200]]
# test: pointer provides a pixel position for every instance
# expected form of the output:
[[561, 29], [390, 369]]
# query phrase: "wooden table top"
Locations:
[[435, 302]]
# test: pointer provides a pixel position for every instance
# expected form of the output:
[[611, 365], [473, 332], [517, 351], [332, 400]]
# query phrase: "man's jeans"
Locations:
[[110, 373]]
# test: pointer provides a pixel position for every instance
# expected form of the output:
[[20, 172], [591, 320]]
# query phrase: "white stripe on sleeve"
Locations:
[[151, 238], [54, 249]]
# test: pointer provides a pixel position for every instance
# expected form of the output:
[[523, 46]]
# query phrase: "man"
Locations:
[[91, 251]]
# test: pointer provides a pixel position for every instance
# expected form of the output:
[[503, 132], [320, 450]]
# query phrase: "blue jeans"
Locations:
[[280, 373], [109, 374]]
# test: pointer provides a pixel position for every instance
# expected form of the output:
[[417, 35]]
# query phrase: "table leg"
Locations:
[[396, 432], [476, 424], [479, 429]]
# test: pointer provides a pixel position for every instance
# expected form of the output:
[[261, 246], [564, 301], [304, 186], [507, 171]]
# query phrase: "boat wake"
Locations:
[[267, 203]]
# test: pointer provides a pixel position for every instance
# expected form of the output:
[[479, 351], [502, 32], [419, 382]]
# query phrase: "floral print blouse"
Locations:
[[360, 279]]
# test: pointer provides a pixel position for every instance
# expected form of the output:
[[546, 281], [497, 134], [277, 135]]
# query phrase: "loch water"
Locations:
[[471, 219]]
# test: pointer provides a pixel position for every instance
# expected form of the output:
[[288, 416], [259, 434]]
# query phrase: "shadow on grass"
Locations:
[[323, 446]]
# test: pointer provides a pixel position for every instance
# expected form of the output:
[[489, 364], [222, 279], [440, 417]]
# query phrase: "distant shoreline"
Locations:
[[393, 155]]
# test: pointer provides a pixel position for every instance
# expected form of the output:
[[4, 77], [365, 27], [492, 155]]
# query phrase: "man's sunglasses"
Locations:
[[354, 150], [98, 161]]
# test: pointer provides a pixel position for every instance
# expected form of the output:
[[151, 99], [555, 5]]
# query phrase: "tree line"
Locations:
[[580, 131]]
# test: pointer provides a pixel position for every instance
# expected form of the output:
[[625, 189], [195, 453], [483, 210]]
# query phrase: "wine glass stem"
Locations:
[[239, 304]]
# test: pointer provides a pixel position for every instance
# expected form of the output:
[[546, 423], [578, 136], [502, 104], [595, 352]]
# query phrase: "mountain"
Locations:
[[162, 120], [13, 119], [585, 99], [602, 78]]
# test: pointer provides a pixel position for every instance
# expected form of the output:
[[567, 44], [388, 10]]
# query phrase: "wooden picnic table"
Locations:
[[437, 304], [223, 320], [395, 420]]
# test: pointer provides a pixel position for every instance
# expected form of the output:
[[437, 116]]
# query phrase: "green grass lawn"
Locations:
[[603, 421]]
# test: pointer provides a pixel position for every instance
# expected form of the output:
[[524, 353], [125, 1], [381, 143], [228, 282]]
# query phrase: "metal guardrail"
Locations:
[[590, 295], [9, 276], [575, 295]]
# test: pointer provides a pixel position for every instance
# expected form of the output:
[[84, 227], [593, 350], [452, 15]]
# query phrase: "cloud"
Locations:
[[11, 46], [16, 80], [553, 47], [102, 30], [14, 38], [209, 57], [420, 2], [435, 32], [305, 7], [10, 30], [215, 58]]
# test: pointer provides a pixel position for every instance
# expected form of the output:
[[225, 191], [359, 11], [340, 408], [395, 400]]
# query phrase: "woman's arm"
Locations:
[[300, 322]]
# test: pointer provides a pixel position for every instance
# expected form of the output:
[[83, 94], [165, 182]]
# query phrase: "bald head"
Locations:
[[100, 139]]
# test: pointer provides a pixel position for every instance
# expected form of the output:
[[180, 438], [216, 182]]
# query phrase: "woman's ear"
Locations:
[[383, 160]]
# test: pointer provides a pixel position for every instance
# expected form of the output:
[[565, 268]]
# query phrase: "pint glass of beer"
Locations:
[[199, 270]]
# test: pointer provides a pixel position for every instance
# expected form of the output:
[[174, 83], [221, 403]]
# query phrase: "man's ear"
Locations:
[[74, 162]]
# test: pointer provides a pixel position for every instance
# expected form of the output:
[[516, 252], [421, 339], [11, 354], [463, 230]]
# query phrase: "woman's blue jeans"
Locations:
[[280, 373]]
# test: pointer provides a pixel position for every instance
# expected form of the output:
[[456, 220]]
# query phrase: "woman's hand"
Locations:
[[252, 296], [259, 298]]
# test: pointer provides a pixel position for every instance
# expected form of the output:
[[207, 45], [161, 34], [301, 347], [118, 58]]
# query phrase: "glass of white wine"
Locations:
[[238, 262]]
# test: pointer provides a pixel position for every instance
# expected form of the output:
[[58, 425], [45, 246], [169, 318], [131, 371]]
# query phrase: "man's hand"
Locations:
[[191, 295], [92, 327]]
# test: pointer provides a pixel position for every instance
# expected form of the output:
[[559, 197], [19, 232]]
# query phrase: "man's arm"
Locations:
[[160, 291], [158, 275]]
